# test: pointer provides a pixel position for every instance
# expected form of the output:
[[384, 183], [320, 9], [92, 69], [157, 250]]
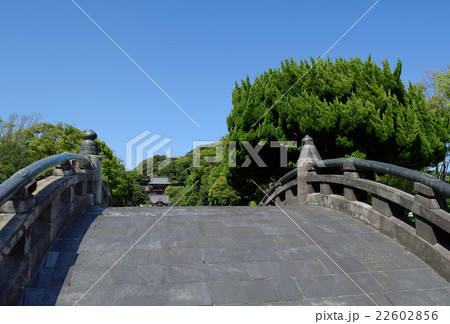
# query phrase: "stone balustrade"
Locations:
[[32, 215], [419, 220]]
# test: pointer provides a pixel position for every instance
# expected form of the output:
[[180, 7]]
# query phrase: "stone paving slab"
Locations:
[[285, 269], [100, 295], [181, 273], [141, 257], [199, 242], [440, 296], [404, 279], [98, 258], [241, 254], [298, 252], [85, 276], [181, 256], [141, 274], [327, 286], [229, 256], [403, 298], [355, 300], [242, 292], [180, 294]]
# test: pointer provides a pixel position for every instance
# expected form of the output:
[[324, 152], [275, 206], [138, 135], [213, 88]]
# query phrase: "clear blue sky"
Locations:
[[56, 62]]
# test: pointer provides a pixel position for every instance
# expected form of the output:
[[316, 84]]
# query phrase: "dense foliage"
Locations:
[[436, 86], [177, 169], [195, 180], [24, 141], [14, 154], [350, 108]]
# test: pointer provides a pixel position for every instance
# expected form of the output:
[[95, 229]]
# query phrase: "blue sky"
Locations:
[[56, 62]]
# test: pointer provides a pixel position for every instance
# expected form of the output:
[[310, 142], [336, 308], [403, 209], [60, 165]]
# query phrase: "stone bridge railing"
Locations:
[[419, 220], [33, 213]]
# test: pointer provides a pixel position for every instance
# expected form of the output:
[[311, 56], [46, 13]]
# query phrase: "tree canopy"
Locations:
[[436, 87], [350, 108], [23, 141], [14, 154]]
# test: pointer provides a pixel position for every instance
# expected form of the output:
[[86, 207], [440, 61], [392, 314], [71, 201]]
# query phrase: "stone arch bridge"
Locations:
[[324, 234]]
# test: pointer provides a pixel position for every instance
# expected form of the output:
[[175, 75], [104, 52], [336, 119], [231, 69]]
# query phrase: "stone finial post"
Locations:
[[90, 148], [308, 154]]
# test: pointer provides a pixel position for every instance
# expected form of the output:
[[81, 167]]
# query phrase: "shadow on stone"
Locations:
[[57, 266]]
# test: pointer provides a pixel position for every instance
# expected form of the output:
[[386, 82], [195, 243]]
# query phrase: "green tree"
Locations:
[[176, 194], [221, 194], [123, 185], [14, 151], [177, 170], [350, 108], [23, 141], [436, 86], [201, 177], [46, 139], [138, 195]]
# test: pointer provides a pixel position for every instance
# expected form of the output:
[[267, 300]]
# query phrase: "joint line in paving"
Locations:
[[134, 244], [312, 240]]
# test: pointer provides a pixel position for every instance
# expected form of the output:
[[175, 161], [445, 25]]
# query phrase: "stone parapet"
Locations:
[[419, 220], [32, 214]]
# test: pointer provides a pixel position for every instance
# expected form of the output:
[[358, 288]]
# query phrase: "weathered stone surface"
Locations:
[[27, 236], [179, 294], [181, 256], [423, 189], [86, 276], [253, 256], [244, 292], [141, 274], [440, 296], [205, 272], [327, 286], [285, 269], [403, 298], [100, 295], [298, 252], [414, 279], [249, 253]]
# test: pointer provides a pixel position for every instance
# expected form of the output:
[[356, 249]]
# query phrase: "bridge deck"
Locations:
[[230, 256]]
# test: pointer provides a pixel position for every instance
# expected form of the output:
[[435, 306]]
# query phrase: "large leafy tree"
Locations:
[[123, 185], [221, 194], [350, 108], [14, 153], [176, 194], [436, 86], [198, 180], [177, 169], [23, 141], [46, 139]]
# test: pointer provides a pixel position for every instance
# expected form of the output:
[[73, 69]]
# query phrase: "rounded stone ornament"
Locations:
[[89, 146]]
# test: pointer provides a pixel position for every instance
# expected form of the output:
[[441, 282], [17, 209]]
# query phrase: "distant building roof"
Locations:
[[165, 199], [159, 180]]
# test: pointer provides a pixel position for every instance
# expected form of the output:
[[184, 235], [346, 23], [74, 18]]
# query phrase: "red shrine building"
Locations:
[[157, 189]]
